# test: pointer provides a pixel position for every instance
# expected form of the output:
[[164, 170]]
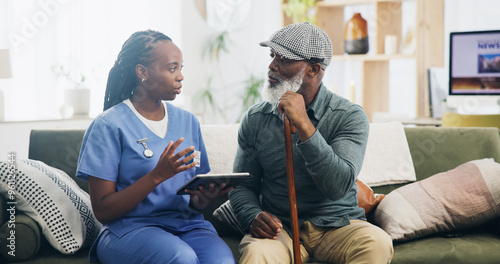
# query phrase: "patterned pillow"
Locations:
[[466, 196], [51, 198], [226, 215]]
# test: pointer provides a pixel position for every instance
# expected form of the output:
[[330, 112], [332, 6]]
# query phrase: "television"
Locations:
[[474, 72]]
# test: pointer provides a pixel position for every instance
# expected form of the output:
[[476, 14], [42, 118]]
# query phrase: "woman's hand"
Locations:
[[109, 204], [203, 197], [169, 164]]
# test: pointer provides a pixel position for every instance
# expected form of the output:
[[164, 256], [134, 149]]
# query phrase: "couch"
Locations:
[[433, 150]]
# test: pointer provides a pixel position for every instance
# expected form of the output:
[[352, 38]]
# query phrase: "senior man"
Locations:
[[328, 151]]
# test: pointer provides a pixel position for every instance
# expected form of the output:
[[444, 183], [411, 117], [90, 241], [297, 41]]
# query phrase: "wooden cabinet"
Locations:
[[386, 19]]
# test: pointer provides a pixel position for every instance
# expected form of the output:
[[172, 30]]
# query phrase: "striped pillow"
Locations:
[[466, 196], [226, 214]]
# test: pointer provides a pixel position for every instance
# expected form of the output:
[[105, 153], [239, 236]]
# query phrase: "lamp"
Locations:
[[5, 72]]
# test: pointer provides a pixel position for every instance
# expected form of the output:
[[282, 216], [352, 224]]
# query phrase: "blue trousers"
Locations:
[[153, 244]]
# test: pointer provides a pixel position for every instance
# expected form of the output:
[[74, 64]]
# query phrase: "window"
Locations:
[[82, 36]]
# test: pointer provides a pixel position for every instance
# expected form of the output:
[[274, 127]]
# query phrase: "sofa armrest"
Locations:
[[59, 149], [27, 239], [4, 217]]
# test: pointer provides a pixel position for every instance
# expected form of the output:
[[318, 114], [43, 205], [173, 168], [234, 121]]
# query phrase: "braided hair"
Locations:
[[122, 78]]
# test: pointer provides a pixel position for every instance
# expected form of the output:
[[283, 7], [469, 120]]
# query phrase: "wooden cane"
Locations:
[[288, 130]]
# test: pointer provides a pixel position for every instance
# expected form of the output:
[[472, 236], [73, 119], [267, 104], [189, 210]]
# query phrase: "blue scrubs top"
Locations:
[[110, 151]]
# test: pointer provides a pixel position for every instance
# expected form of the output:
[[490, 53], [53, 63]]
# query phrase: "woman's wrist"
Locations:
[[155, 177]]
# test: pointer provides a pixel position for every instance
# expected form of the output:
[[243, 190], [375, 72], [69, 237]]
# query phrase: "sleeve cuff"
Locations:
[[311, 147]]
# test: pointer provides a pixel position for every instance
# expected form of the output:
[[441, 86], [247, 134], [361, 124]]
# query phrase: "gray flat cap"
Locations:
[[302, 41]]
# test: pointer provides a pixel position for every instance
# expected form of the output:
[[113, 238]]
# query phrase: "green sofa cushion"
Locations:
[[440, 149], [48, 255], [472, 248], [24, 243], [424, 141]]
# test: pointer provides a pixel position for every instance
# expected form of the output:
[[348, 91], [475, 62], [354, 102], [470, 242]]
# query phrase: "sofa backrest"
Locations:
[[439, 149], [59, 149], [221, 142], [433, 149]]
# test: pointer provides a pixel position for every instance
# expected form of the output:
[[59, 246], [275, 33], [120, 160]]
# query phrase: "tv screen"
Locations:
[[474, 63]]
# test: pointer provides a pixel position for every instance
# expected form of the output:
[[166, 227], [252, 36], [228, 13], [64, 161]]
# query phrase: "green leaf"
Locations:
[[299, 10], [251, 92], [216, 44]]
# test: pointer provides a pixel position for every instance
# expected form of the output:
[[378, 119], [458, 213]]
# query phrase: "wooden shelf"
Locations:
[[343, 3], [386, 19], [376, 57]]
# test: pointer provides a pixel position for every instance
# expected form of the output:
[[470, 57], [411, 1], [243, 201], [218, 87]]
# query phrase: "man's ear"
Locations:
[[141, 71], [314, 69]]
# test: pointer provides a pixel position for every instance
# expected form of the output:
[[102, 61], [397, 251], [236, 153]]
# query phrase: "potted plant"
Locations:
[[251, 93], [300, 10], [76, 94]]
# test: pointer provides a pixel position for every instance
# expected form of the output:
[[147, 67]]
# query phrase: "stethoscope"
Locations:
[[147, 152]]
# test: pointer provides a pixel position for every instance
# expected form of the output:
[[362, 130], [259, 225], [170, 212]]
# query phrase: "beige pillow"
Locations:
[[387, 141], [466, 196]]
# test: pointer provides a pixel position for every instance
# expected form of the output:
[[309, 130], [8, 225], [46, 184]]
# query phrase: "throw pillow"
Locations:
[[221, 143], [466, 196], [366, 200], [51, 198], [226, 215], [387, 157]]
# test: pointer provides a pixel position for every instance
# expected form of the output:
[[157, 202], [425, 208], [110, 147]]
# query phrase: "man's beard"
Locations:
[[273, 92]]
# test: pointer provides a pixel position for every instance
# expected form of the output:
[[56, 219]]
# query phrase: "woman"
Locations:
[[129, 158]]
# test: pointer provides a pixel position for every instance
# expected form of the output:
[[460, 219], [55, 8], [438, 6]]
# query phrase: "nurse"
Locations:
[[137, 153]]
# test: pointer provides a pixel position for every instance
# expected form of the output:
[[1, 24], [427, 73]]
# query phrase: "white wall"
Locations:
[[245, 57], [14, 136], [469, 15], [85, 36]]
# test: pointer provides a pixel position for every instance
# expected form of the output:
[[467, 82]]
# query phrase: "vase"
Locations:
[[78, 100], [356, 35]]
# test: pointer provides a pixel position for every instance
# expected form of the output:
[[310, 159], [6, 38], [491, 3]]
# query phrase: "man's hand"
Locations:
[[203, 197], [294, 106], [266, 225]]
